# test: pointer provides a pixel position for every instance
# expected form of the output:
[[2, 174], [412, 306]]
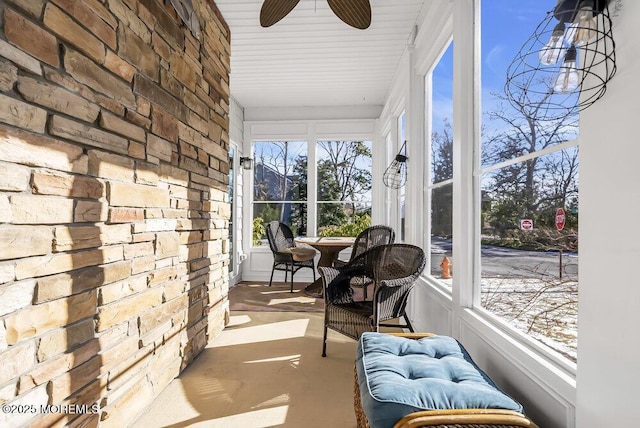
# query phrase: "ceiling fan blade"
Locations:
[[274, 10], [356, 13]]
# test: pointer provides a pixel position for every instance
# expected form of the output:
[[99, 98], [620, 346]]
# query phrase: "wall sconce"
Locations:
[[565, 65], [246, 162]]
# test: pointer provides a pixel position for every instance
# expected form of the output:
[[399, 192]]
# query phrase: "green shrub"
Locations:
[[258, 231], [360, 222]]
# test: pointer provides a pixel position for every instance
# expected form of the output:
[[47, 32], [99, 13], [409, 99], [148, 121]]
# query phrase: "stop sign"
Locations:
[[526, 224], [560, 219]]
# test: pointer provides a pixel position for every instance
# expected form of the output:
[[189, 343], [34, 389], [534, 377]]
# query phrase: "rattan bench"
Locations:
[[442, 418]]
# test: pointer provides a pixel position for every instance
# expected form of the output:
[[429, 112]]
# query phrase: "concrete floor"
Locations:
[[264, 370]]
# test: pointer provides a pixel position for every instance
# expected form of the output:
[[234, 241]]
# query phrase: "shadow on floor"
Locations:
[[264, 370]]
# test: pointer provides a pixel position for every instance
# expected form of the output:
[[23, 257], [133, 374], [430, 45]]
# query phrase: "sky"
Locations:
[[506, 25]]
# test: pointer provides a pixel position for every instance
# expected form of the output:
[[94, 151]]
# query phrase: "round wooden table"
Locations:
[[329, 248]]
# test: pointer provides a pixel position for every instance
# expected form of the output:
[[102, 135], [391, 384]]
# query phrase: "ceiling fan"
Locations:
[[356, 13]]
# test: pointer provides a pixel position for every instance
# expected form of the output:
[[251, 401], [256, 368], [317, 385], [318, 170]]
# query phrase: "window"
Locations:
[[344, 184], [528, 177], [279, 187], [342, 203], [440, 159]]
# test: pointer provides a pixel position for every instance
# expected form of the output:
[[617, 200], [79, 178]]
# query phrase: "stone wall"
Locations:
[[113, 204]]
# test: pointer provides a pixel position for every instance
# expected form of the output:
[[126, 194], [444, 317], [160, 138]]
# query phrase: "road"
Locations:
[[502, 262]]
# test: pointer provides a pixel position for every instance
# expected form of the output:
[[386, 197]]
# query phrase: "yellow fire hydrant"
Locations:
[[446, 268]]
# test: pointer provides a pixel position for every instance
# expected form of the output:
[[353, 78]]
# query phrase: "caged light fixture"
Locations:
[[565, 65], [395, 175]]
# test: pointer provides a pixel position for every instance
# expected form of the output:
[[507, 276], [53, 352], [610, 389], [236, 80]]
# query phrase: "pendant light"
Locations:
[[395, 176], [565, 65]]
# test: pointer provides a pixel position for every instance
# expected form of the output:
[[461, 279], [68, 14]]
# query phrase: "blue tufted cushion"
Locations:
[[399, 376]]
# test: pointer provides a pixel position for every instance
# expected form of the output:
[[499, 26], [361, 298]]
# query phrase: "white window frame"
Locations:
[[354, 202], [455, 313], [428, 185], [310, 131], [467, 196], [311, 178]]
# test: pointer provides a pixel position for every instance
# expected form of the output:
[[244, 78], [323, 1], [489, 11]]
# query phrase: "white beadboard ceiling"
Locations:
[[312, 58]]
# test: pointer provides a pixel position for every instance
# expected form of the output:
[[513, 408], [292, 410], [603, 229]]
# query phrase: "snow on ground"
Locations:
[[546, 310]]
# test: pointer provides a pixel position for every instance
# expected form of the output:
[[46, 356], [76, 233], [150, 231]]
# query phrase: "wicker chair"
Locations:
[[367, 239], [286, 255], [393, 268]]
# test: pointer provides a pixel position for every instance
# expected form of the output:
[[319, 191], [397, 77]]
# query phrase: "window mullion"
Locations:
[[465, 141], [427, 178], [312, 185]]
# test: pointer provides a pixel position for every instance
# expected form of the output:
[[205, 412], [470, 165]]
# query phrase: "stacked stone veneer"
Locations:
[[113, 203]]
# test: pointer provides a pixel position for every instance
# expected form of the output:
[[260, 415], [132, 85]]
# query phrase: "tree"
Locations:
[[442, 153], [442, 169], [281, 176], [329, 214], [343, 166], [343, 176], [537, 186], [300, 181], [276, 179], [545, 304], [534, 188]]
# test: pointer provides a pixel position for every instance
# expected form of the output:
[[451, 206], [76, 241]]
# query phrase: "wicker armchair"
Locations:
[[367, 239], [393, 269], [286, 255]]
